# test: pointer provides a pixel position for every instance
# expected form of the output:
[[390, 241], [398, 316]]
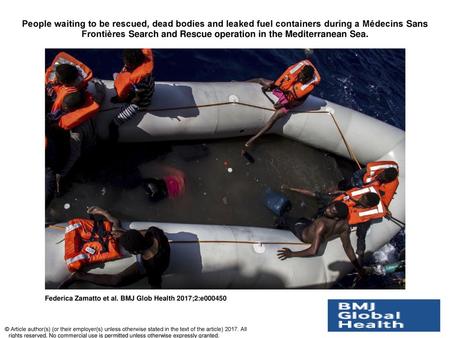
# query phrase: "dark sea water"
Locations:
[[371, 81]]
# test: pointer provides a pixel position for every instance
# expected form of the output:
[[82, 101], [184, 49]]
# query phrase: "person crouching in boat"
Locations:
[[65, 75], [134, 86], [332, 224], [71, 108], [75, 117], [152, 251], [292, 89], [381, 176]]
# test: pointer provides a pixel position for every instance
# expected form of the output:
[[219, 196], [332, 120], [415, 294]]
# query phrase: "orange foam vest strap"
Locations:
[[375, 168], [357, 214], [79, 246], [62, 58], [126, 79], [288, 83], [76, 117], [387, 191], [61, 92]]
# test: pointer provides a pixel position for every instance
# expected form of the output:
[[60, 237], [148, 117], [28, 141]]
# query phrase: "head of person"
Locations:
[[387, 175], [73, 101], [306, 74], [134, 242], [369, 200], [133, 58], [66, 74], [337, 210]]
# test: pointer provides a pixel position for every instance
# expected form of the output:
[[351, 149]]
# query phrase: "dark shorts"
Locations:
[[297, 228]]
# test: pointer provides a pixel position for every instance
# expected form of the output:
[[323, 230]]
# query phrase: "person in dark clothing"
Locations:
[[152, 251], [79, 140]]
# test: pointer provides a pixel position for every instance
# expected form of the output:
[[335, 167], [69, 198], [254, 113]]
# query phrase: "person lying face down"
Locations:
[[151, 248], [332, 224]]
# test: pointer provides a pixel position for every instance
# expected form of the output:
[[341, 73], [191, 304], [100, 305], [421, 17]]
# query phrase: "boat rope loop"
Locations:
[[209, 105]]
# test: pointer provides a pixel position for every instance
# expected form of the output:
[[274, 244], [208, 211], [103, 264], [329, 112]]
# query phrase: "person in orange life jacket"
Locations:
[[330, 225], [152, 251], [82, 136], [65, 75], [361, 177], [384, 179], [91, 241], [134, 85], [383, 176], [292, 89], [367, 200]]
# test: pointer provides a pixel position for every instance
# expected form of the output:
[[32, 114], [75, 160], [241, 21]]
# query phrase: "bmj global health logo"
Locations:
[[383, 315]]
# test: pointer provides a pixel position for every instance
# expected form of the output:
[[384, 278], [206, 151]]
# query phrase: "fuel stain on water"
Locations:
[[111, 177]]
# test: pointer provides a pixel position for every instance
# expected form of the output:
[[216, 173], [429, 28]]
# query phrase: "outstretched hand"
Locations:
[[284, 253]]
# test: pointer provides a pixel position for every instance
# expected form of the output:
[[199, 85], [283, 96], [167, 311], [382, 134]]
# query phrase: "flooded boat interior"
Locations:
[[221, 187]]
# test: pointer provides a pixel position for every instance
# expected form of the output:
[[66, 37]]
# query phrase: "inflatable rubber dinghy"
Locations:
[[207, 256]]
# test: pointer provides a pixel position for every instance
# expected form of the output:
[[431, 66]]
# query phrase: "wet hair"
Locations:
[[133, 57], [341, 209], [133, 241], [306, 73], [387, 175], [66, 74], [369, 200], [73, 101]]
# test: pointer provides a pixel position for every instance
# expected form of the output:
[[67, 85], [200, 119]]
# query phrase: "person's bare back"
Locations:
[[323, 229]]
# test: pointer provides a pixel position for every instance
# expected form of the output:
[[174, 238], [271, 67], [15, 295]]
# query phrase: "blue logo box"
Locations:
[[413, 315]]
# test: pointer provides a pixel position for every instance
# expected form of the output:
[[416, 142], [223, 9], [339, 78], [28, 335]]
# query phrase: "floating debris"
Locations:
[[103, 191], [230, 170], [67, 206]]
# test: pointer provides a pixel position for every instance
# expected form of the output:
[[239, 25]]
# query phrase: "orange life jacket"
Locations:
[[291, 87], [375, 168], [59, 91], [78, 116], [126, 79], [84, 246], [387, 191], [358, 214], [62, 58]]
